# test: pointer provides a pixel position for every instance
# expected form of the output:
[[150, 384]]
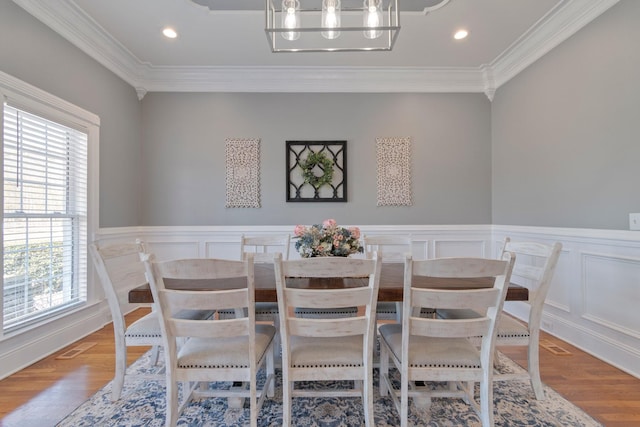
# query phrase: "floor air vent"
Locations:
[[73, 352]]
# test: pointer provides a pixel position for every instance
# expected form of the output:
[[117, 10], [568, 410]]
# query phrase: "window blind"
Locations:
[[44, 217]]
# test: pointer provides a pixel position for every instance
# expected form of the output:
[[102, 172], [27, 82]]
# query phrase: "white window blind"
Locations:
[[44, 217]]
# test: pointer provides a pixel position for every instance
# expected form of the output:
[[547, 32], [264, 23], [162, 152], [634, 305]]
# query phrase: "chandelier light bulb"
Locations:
[[330, 18], [372, 18], [290, 19]]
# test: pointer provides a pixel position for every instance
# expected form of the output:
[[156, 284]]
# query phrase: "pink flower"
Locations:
[[329, 223], [355, 232], [300, 230]]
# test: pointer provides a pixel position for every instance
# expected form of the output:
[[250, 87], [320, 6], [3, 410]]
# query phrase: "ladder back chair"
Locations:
[[119, 269], [535, 266], [439, 350], [393, 249], [328, 349], [211, 350], [263, 249]]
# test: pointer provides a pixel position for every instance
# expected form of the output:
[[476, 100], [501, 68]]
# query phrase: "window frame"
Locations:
[[26, 97]]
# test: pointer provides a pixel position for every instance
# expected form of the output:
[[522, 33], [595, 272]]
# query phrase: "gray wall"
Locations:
[[558, 146], [184, 166], [566, 131], [30, 51]]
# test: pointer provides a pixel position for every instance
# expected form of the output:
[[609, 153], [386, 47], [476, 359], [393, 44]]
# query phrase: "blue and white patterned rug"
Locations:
[[143, 404]]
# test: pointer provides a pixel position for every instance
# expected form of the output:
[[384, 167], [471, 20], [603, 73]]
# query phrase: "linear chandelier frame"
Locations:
[[308, 37]]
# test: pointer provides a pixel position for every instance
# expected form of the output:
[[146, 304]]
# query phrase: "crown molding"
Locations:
[[566, 19], [69, 20], [312, 79]]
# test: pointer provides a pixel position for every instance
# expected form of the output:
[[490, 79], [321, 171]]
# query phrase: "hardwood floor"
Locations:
[[51, 388]]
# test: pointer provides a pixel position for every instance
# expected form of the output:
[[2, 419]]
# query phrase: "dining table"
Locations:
[[391, 284]]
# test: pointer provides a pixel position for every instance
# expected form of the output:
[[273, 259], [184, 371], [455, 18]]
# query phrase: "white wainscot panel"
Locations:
[[612, 292], [420, 249], [173, 250], [224, 250], [560, 291], [459, 248]]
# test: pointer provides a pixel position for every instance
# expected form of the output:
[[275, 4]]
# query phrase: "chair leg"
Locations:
[[486, 402], [121, 367], [171, 417], [155, 355], [286, 400], [271, 370], [384, 370], [253, 404], [534, 367], [367, 399], [404, 401]]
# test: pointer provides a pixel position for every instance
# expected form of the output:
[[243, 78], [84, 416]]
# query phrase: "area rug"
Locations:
[[143, 404]]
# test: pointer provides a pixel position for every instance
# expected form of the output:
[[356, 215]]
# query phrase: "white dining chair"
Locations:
[[211, 350], [534, 269], [119, 269], [439, 350], [328, 349], [393, 248]]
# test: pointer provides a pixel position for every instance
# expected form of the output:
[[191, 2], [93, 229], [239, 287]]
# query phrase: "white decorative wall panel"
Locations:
[[612, 292], [394, 171], [242, 173]]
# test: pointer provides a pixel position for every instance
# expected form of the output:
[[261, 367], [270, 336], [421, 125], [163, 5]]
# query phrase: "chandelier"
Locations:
[[331, 26]]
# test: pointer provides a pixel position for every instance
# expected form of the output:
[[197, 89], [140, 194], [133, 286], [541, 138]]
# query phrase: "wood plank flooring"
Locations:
[[51, 388]]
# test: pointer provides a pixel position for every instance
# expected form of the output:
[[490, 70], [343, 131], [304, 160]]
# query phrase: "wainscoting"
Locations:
[[593, 302]]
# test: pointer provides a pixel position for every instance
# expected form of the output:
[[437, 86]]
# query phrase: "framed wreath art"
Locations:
[[316, 171]]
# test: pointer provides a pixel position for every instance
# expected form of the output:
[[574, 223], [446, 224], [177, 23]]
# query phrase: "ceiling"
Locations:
[[222, 45]]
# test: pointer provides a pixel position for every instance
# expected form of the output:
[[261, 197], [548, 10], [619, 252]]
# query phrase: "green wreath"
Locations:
[[313, 160]]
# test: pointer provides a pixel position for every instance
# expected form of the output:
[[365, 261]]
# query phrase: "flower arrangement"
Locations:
[[327, 239]]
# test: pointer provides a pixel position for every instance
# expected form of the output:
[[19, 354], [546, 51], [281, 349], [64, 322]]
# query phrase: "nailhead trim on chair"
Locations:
[[351, 365], [444, 365]]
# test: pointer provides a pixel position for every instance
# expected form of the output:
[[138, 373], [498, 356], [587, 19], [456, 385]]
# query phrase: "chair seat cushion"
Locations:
[[265, 312], [432, 351], [147, 326], [326, 352], [224, 352], [508, 327]]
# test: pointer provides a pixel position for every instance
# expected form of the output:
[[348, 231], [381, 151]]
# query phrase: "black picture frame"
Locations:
[[300, 191]]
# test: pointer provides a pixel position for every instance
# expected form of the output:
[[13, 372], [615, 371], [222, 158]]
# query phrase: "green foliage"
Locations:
[[36, 264], [324, 163]]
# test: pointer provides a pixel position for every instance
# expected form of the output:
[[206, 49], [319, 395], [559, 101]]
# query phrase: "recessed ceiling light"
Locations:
[[460, 34], [169, 33]]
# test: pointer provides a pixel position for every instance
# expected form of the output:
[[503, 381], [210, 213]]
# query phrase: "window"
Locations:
[[45, 213]]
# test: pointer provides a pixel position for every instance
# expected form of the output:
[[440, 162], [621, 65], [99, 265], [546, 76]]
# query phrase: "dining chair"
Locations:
[[535, 266], [393, 249], [263, 249], [439, 350], [328, 349], [211, 350], [534, 269], [120, 269]]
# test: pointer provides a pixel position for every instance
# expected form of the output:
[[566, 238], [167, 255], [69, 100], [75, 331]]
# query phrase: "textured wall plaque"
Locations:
[[242, 160], [394, 171]]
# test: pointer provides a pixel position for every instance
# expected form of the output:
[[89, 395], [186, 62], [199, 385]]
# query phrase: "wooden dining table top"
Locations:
[[391, 284]]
